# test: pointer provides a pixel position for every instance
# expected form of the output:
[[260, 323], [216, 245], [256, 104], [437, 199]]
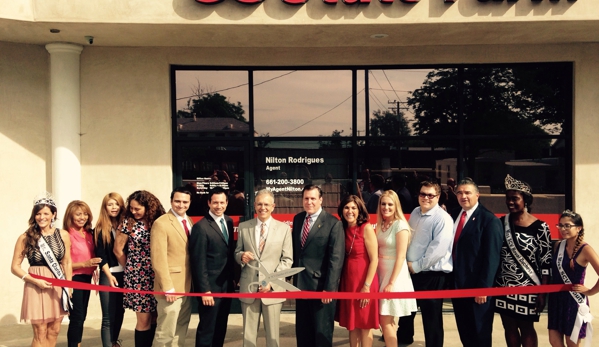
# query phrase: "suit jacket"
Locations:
[[476, 261], [276, 255], [170, 258], [322, 255], [211, 257]]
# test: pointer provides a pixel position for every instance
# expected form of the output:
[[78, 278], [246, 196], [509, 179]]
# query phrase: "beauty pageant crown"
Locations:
[[44, 198], [513, 184]]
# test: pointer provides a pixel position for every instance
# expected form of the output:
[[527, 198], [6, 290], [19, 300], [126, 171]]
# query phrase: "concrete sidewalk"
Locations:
[[19, 335]]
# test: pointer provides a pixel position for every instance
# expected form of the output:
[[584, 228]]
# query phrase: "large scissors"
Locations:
[[277, 278]]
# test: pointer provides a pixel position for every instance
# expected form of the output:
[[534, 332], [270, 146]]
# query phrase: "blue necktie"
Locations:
[[224, 230]]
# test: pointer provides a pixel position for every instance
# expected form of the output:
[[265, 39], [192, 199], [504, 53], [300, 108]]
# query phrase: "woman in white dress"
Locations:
[[393, 236]]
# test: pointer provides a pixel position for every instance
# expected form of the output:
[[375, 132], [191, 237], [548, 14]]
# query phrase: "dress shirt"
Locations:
[[181, 219], [313, 218], [468, 215], [432, 239], [257, 231], [217, 220]]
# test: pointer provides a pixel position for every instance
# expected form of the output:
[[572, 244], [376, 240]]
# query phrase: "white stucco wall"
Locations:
[[24, 155], [125, 121]]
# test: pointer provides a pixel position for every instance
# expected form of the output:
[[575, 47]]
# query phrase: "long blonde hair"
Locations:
[[104, 225], [398, 215]]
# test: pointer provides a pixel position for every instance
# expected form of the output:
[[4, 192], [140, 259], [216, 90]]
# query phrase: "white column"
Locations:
[[65, 112]]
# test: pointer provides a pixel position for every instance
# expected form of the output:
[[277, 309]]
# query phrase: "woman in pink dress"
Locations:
[[359, 316], [78, 222]]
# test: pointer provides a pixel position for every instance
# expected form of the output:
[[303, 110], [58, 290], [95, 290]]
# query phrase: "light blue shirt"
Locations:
[[432, 239]]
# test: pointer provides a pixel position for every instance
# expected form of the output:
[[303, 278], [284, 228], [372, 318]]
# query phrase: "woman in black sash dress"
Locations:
[[525, 261], [42, 303]]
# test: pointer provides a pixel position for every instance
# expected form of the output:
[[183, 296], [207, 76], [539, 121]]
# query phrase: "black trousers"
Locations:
[[212, 327], [77, 315], [474, 321], [112, 310], [314, 323], [431, 310]]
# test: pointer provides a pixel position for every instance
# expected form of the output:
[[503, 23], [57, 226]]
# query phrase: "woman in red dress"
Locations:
[[359, 316]]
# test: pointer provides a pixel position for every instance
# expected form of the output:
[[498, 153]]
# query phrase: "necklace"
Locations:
[[352, 241], [387, 225]]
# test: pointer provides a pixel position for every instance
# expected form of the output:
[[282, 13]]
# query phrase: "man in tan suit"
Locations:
[[267, 241], [170, 261]]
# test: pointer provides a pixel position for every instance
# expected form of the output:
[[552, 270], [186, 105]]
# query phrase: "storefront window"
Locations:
[[337, 128], [303, 103], [211, 103]]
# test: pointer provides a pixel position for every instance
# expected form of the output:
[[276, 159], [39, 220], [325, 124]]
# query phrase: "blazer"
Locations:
[[211, 257], [168, 251], [277, 255], [476, 261], [322, 255]]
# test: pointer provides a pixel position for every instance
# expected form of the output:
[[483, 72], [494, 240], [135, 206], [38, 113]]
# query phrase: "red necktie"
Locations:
[[262, 239], [185, 227], [458, 231], [305, 230]]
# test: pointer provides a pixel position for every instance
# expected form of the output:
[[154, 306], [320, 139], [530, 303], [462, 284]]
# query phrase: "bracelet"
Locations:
[[23, 278], [366, 285]]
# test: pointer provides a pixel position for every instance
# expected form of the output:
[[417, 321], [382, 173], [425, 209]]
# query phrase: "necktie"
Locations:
[[224, 230], [185, 227], [458, 231], [262, 239], [305, 230]]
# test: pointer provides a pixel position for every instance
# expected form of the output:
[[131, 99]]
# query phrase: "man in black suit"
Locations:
[[319, 246], [478, 236], [211, 250]]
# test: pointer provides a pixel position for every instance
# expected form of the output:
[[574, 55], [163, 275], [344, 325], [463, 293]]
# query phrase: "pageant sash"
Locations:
[[519, 258], [584, 313], [56, 270]]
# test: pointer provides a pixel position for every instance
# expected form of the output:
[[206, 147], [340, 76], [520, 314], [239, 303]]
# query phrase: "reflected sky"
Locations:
[[305, 102]]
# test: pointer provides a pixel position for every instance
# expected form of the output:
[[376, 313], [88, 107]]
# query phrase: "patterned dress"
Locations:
[[138, 269], [403, 282], [563, 308], [534, 244]]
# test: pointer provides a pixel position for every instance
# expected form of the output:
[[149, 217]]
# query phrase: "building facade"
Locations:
[[88, 96]]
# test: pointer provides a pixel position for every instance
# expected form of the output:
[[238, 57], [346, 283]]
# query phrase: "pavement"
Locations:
[[20, 335]]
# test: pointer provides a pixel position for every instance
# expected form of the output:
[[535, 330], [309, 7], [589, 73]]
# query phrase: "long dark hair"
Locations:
[[33, 232], [151, 204], [577, 220], [362, 212]]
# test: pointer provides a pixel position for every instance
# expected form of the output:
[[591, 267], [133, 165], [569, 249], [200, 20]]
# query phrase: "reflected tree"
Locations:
[[207, 104], [522, 101], [335, 142], [387, 123]]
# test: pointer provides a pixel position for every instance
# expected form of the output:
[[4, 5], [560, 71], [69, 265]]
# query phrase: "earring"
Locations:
[[525, 207], [52, 223]]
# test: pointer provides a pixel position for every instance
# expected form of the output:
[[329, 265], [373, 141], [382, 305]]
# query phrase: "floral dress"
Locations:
[[138, 269]]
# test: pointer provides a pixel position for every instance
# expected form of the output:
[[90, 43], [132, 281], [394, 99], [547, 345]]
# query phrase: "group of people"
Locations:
[[138, 245]]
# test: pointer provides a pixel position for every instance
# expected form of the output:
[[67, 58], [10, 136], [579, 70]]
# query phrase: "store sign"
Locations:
[[350, 2]]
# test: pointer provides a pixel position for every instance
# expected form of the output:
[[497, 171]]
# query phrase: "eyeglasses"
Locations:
[[427, 196], [565, 226]]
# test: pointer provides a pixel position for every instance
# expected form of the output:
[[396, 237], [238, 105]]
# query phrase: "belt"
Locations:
[[386, 257]]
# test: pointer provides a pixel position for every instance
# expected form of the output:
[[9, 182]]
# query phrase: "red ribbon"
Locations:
[[427, 294]]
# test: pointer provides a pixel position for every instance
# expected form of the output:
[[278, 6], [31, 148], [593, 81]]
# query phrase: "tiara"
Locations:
[[569, 213], [513, 184], [44, 198]]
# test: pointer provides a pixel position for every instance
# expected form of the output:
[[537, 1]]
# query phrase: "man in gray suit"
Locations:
[[319, 247], [267, 241]]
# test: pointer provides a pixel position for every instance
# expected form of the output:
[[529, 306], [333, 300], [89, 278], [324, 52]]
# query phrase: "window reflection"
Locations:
[[212, 103], [285, 170], [303, 103]]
